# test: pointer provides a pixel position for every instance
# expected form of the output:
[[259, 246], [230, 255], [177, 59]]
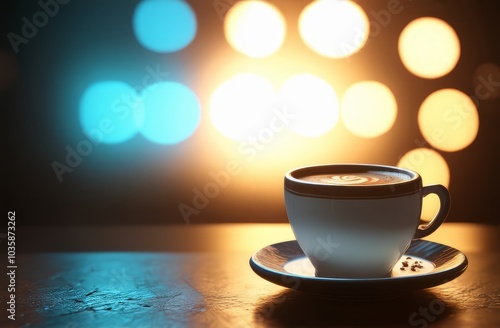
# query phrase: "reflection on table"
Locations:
[[199, 276]]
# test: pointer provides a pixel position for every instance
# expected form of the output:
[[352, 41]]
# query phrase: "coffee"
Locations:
[[357, 178], [357, 220]]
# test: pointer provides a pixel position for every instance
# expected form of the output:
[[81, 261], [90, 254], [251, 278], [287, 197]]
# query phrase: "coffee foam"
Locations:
[[357, 178]]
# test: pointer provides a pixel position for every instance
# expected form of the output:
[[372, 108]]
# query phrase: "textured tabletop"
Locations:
[[199, 276]]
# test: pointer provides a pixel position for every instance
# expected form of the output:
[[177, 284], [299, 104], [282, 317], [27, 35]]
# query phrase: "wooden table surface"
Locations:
[[199, 276]]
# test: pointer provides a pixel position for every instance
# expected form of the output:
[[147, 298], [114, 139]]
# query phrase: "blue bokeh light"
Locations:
[[109, 112], [171, 112], [164, 25]]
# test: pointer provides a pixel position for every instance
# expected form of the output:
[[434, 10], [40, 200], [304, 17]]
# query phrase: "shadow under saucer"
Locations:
[[298, 309]]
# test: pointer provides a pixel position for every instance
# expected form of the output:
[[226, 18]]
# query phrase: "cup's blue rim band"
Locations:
[[299, 187]]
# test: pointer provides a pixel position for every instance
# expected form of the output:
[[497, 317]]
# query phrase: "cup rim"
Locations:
[[315, 189]]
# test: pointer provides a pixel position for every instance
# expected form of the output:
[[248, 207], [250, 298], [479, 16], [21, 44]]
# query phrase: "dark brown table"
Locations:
[[199, 276]]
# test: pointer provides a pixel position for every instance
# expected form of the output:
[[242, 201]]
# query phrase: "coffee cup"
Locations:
[[357, 220]]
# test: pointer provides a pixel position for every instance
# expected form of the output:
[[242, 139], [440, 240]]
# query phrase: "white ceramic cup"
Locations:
[[351, 227]]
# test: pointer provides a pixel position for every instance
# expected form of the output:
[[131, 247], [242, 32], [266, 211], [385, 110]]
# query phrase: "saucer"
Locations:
[[427, 264]]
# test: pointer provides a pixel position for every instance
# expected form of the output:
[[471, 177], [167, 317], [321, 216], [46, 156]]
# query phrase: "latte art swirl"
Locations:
[[354, 178], [350, 180]]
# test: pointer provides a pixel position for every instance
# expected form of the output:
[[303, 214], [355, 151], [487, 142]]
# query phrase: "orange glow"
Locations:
[[241, 106], [433, 169], [313, 105], [369, 109], [254, 28], [334, 28], [448, 120], [429, 47]]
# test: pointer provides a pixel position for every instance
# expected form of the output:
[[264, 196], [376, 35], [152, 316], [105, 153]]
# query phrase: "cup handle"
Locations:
[[424, 230]]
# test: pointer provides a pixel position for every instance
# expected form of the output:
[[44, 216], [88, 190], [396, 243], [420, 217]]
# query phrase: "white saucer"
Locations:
[[433, 264]]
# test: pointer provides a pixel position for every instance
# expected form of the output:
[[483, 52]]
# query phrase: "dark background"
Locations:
[[139, 182]]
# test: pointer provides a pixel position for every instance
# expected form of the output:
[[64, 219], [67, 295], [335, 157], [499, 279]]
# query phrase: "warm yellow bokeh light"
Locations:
[[241, 106], [368, 109], [311, 103], [334, 28], [429, 47], [433, 169], [448, 120], [254, 28]]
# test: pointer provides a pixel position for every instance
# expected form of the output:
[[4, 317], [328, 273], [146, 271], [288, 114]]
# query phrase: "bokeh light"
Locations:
[[312, 104], [242, 105], [485, 81], [429, 47], [254, 28], [368, 109], [433, 169], [110, 112], [171, 112], [334, 28], [448, 120], [164, 25]]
